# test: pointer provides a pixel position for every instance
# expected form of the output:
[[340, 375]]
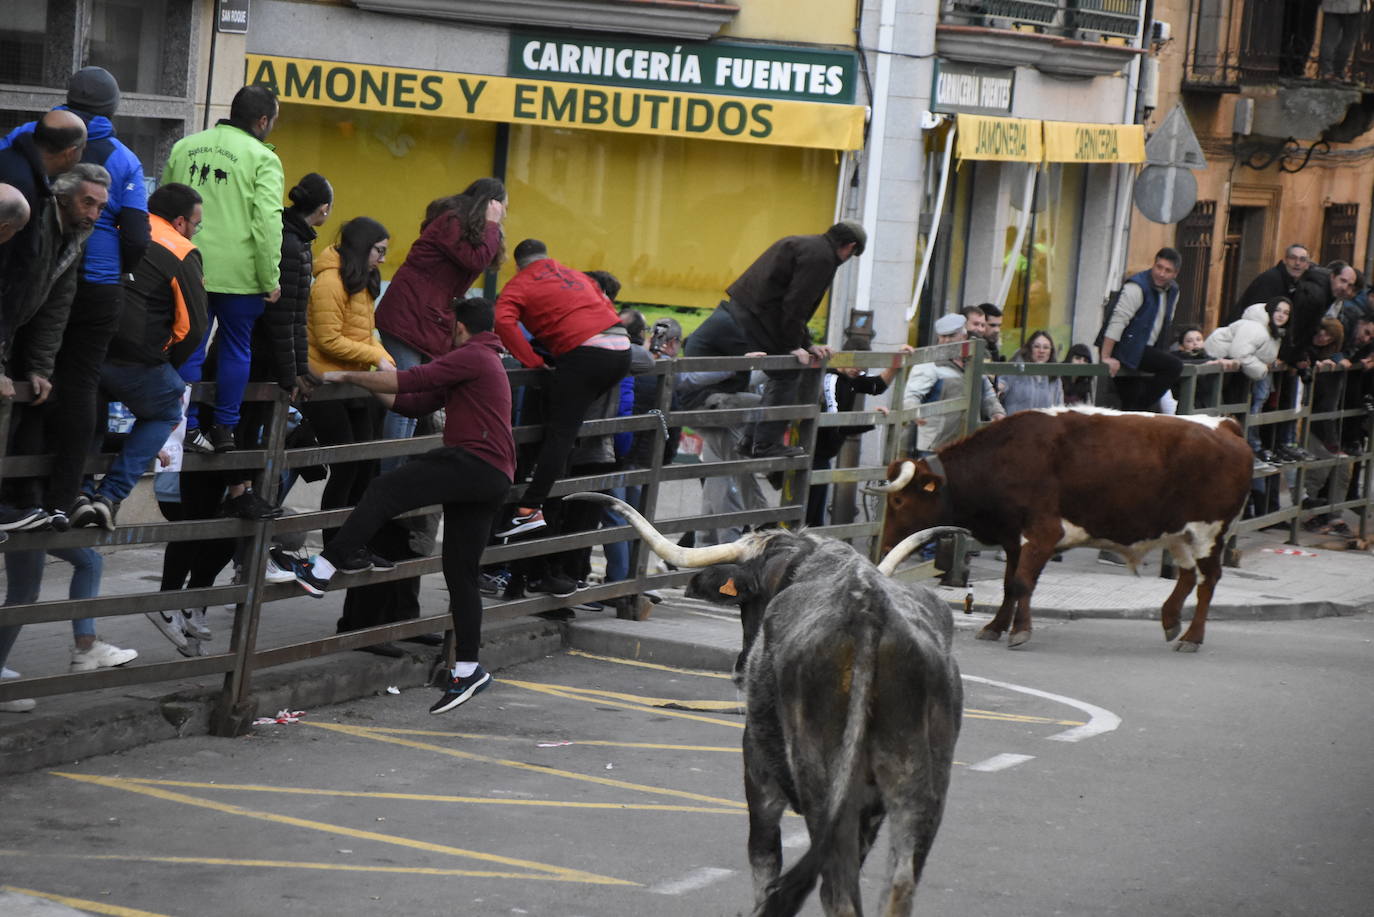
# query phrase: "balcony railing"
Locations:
[[1235, 42], [1088, 20]]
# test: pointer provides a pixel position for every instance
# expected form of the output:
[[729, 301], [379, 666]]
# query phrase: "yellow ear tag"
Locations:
[[729, 587], [930, 487]]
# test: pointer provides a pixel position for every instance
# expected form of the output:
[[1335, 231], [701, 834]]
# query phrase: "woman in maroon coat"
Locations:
[[456, 245]]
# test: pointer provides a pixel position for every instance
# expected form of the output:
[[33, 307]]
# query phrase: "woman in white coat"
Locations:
[[1251, 344]]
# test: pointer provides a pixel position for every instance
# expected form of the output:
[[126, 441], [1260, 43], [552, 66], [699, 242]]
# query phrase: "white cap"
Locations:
[[952, 323]]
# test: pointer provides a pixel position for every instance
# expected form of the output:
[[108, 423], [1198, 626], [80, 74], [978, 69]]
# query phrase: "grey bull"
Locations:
[[853, 706]]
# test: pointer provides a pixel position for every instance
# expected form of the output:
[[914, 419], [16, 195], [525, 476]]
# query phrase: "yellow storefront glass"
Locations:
[[675, 220], [1044, 285], [385, 166]]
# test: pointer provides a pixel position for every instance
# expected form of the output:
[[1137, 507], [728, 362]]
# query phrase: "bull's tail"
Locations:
[[788, 892]]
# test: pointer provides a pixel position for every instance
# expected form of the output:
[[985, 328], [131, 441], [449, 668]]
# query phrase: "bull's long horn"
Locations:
[[910, 543], [674, 554], [902, 480]]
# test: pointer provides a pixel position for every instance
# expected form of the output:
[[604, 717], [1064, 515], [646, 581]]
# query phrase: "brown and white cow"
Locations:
[[1044, 480]]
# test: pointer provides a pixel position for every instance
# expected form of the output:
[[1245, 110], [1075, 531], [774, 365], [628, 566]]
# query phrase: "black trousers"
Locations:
[[471, 492], [1141, 393], [65, 426], [580, 377], [340, 423]]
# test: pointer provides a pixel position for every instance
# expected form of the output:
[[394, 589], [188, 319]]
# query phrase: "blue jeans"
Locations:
[[24, 579], [1259, 392], [618, 554], [398, 426], [153, 395], [236, 313]]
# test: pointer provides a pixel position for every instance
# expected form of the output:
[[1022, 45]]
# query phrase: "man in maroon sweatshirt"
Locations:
[[470, 475]]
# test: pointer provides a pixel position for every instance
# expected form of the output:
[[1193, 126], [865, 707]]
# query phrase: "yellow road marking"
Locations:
[[578, 694], [364, 732], [427, 797], [279, 864], [96, 907], [558, 872], [971, 713], [648, 665], [600, 743], [1017, 718], [638, 698]]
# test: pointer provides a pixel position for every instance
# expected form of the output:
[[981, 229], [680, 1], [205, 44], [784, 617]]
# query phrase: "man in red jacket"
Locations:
[[470, 475], [570, 317]]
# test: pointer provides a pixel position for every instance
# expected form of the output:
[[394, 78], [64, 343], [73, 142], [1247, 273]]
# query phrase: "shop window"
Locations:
[[22, 30], [1194, 242], [1338, 233], [127, 40], [676, 220], [1045, 282], [414, 159]]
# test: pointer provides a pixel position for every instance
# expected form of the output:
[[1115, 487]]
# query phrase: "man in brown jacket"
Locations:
[[767, 312]]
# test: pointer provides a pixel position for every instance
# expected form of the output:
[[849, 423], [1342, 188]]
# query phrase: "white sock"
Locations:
[[464, 669], [321, 567]]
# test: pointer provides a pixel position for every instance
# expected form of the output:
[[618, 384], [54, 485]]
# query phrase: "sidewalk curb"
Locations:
[[150, 713], [618, 638]]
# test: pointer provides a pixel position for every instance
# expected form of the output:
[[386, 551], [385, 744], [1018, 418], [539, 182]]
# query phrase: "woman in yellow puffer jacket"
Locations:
[[340, 331]]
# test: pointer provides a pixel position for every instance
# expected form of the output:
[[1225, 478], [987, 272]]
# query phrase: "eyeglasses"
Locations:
[[380, 249]]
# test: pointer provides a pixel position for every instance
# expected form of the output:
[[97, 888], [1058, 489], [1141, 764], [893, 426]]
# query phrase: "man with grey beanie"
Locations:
[[114, 249], [767, 312]]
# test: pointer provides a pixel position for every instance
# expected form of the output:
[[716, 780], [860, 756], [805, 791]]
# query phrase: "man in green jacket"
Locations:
[[240, 179]]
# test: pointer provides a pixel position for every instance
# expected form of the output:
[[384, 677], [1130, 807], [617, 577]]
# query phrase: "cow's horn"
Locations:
[[674, 554], [902, 480], [910, 543]]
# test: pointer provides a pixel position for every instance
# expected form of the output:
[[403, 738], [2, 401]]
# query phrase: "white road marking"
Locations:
[[697, 878], [1000, 762], [1100, 720]]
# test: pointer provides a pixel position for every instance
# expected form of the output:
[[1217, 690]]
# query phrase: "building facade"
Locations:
[[1290, 154]]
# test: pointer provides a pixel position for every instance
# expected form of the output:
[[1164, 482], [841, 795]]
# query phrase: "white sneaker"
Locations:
[[275, 574], [195, 623], [171, 625], [18, 705], [101, 655]]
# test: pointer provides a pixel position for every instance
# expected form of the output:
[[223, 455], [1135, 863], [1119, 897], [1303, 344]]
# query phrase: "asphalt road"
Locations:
[[1098, 773]]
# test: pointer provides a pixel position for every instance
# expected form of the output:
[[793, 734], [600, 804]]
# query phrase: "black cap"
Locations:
[[94, 90]]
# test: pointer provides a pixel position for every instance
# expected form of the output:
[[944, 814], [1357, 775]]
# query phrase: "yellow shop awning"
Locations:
[[629, 110], [1006, 139], [1068, 141]]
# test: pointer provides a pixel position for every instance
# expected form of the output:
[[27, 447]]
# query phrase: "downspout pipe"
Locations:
[[887, 28]]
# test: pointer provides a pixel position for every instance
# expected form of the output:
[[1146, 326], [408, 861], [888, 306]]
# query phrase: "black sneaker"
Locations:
[[381, 563], [196, 441], [221, 437], [461, 690], [553, 584], [105, 510], [775, 450], [248, 505], [493, 583], [306, 577], [58, 521], [22, 520], [359, 561], [523, 524]]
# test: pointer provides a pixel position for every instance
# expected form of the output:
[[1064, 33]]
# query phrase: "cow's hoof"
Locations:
[[1172, 632], [988, 633], [1017, 639], [1186, 646]]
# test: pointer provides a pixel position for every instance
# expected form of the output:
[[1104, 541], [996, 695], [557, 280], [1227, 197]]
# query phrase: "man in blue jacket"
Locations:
[[112, 252], [1137, 333]]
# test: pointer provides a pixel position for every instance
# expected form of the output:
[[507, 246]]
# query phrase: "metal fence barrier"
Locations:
[[246, 656]]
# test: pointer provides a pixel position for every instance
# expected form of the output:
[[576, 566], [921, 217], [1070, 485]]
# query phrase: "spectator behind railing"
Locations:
[[1078, 390], [942, 381], [1190, 348], [460, 238], [340, 331], [1023, 393], [1251, 344]]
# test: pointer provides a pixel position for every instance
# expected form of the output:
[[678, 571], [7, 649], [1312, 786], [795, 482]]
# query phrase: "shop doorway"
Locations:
[[1242, 256], [1194, 242]]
